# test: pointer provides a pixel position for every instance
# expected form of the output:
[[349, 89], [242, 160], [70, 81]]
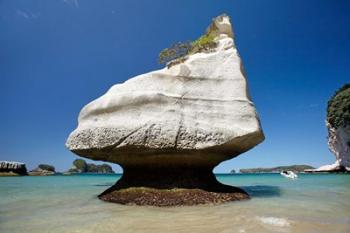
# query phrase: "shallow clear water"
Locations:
[[312, 203]]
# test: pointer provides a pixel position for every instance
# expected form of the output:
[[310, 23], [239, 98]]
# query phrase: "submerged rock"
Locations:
[[169, 128], [8, 168], [338, 124]]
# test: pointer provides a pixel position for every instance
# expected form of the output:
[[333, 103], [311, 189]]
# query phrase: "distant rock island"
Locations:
[[169, 128], [11, 168], [338, 125], [43, 170], [81, 166], [294, 168]]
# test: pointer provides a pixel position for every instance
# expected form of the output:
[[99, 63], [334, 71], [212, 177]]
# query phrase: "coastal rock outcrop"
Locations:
[[8, 168], [169, 128], [338, 124], [43, 170], [81, 166]]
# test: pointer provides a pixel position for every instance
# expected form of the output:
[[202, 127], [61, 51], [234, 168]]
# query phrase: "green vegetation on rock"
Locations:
[[178, 52], [203, 43], [80, 166], [338, 109], [175, 51], [47, 167]]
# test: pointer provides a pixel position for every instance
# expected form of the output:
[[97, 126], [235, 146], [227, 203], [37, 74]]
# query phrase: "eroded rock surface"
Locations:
[[185, 118], [339, 145]]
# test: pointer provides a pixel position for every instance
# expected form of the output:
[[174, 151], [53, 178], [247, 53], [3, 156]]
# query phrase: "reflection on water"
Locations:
[[104, 184], [69, 204], [262, 190]]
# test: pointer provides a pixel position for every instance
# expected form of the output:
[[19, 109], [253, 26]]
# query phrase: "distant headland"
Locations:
[[294, 168]]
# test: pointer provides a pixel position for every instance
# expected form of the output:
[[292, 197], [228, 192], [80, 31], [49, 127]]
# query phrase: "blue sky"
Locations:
[[58, 55]]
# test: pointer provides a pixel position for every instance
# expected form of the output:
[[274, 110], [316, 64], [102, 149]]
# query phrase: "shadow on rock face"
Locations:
[[263, 191]]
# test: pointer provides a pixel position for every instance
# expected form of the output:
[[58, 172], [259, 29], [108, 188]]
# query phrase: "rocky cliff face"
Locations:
[[8, 167], [339, 145], [165, 126], [338, 124]]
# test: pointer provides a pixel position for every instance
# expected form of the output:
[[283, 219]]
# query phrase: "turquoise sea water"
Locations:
[[312, 203]]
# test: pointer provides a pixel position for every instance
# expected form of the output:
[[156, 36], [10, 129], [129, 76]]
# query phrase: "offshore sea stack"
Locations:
[[169, 128], [338, 124], [11, 168]]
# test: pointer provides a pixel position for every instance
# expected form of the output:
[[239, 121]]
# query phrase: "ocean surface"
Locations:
[[313, 203]]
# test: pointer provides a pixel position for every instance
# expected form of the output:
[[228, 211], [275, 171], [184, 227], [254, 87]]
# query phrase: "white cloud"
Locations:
[[72, 3], [27, 15]]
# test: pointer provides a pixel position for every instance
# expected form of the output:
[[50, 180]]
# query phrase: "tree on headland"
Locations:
[[338, 109]]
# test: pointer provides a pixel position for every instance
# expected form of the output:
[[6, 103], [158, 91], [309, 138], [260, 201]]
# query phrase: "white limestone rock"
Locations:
[[200, 105], [338, 142]]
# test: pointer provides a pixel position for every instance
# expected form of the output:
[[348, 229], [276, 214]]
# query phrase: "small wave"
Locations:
[[279, 222]]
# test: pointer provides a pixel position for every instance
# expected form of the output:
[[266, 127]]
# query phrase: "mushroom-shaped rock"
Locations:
[[169, 128]]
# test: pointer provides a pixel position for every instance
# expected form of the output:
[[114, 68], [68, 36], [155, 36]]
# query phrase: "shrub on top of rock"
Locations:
[[178, 52], [80, 165], [47, 167], [203, 43]]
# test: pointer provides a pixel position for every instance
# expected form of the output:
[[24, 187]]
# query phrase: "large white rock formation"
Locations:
[[200, 104], [170, 127]]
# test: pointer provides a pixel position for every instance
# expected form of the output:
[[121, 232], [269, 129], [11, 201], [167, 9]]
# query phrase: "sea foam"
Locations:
[[280, 222]]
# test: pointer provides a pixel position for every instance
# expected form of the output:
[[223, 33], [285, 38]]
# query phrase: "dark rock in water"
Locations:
[[170, 186], [169, 128], [12, 168], [80, 166], [43, 170], [172, 197]]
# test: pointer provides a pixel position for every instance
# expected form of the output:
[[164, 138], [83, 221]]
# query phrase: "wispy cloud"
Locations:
[[72, 3], [27, 14]]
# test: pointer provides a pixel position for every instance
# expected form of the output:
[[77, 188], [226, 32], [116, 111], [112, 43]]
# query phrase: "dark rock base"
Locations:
[[170, 197], [171, 186]]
